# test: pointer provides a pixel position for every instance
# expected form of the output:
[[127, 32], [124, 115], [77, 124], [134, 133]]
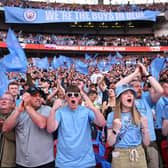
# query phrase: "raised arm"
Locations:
[[128, 78], [37, 118], [51, 96], [99, 118], [102, 84], [59, 86], [52, 123], [12, 120], [157, 91]]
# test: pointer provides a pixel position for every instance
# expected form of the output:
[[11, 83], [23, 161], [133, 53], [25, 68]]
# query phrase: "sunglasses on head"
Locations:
[[70, 94]]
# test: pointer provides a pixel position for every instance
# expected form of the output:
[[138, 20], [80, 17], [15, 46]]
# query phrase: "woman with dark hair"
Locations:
[[127, 130], [109, 105]]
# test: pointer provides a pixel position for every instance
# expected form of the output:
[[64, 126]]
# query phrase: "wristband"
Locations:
[[147, 76], [114, 132]]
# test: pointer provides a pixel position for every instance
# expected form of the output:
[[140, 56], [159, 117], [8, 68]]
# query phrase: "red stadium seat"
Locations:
[[164, 146]]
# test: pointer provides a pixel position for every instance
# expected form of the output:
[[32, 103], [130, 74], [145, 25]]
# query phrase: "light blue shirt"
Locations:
[[165, 112], [130, 133], [18, 101], [74, 145], [145, 110], [159, 110]]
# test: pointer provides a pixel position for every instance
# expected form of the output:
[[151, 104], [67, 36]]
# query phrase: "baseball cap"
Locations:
[[34, 90], [123, 88]]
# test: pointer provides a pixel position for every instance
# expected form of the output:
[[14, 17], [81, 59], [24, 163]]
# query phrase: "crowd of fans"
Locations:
[[78, 7], [74, 40], [42, 101], [116, 72], [42, 94]]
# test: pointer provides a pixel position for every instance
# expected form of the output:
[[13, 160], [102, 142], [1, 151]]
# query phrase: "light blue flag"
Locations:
[[13, 63], [16, 61], [93, 63], [109, 57], [95, 55], [66, 60], [41, 63], [118, 55], [87, 56], [104, 66], [55, 63], [3, 81], [113, 60], [156, 67], [101, 65], [81, 67]]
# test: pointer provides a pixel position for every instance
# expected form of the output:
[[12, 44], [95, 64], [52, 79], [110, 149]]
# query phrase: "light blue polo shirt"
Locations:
[[130, 133], [74, 144]]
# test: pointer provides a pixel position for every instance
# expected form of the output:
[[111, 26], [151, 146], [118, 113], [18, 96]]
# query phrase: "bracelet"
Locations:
[[114, 132], [147, 76]]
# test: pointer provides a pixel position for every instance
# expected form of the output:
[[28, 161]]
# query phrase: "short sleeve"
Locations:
[[45, 111], [91, 115], [147, 97], [165, 112], [110, 119]]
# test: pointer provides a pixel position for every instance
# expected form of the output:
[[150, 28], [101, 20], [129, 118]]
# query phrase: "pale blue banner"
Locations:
[[29, 15]]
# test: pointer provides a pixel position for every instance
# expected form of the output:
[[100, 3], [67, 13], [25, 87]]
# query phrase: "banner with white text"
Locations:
[[35, 16]]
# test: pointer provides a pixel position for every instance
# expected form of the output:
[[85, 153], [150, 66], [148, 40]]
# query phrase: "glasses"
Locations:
[[7, 99], [70, 94]]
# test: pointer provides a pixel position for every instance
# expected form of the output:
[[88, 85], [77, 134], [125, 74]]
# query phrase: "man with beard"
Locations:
[[34, 145], [74, 145]]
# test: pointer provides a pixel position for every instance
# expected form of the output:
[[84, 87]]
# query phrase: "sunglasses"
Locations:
[[70, 94], [7, 99]]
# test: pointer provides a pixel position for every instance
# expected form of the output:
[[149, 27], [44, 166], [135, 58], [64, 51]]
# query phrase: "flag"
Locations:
[[3, 81], [66, 61], [81, 67], [12, 63], [16, 61], [104, 66], [109, 57], [118, 55], [41, 63], [101, 65], [93, 63], [54, 63], [87, 56], [156, 67], [113, 60], [94, 57]]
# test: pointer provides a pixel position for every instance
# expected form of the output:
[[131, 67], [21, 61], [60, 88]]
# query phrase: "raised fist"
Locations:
[[117, 124]]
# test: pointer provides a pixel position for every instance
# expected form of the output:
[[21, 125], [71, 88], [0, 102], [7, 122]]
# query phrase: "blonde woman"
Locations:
[[127, 130]]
